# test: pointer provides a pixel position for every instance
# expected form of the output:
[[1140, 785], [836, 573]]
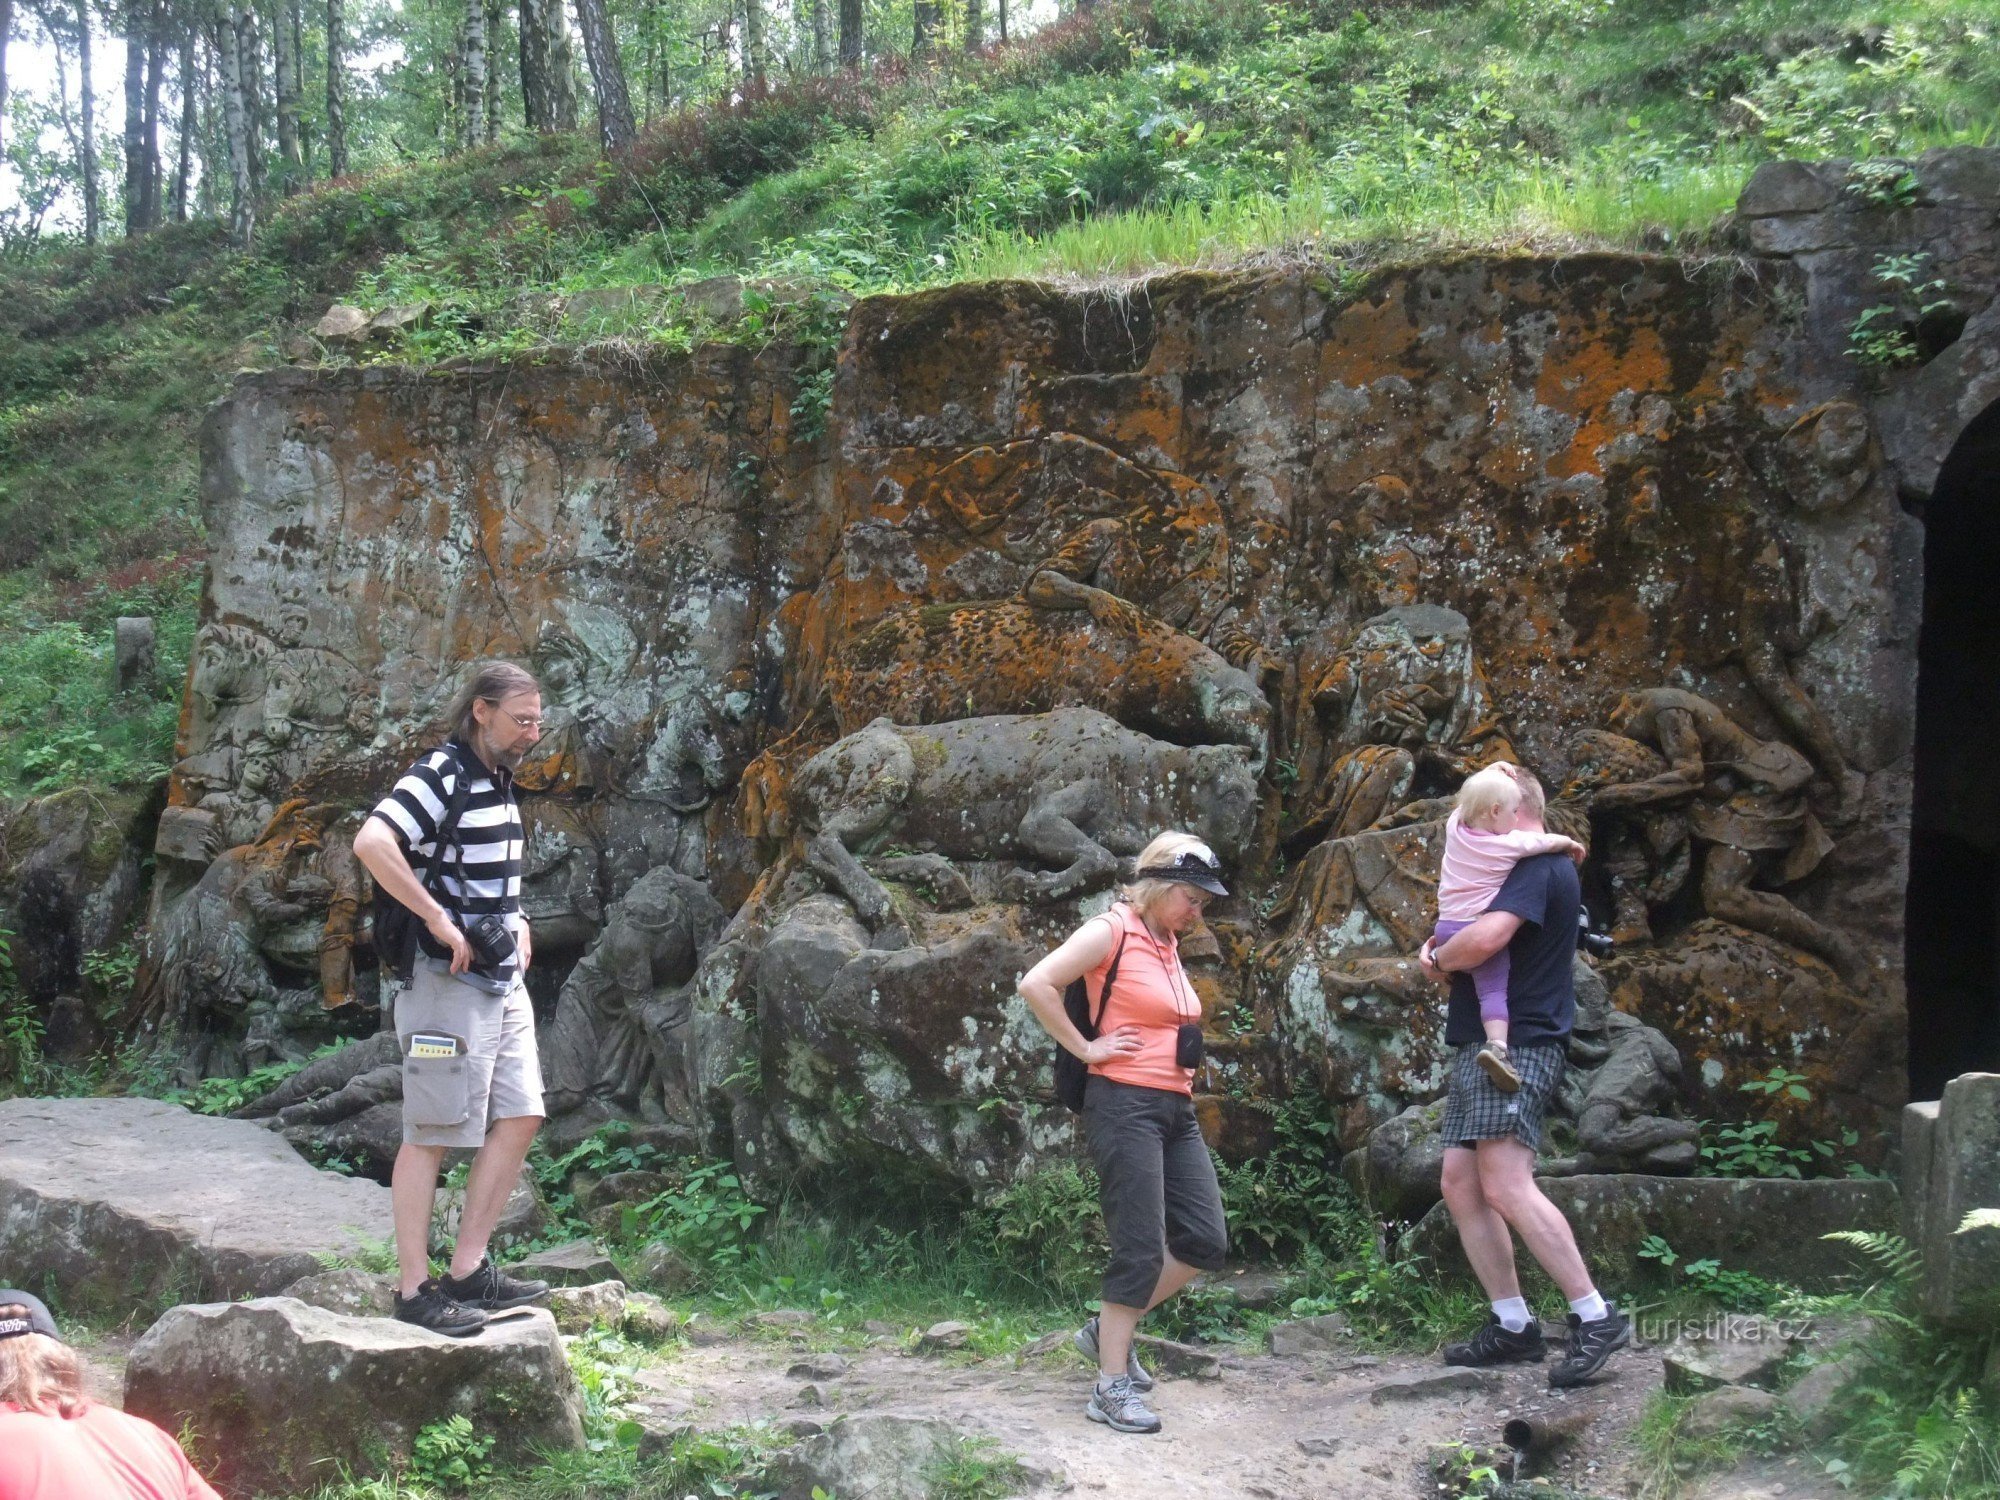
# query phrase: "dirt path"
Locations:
[[1328, 1425]]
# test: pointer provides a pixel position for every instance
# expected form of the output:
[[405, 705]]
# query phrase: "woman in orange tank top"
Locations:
[[1162, 1206]]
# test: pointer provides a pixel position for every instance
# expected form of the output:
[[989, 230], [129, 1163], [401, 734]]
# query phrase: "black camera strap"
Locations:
[[447, 836]]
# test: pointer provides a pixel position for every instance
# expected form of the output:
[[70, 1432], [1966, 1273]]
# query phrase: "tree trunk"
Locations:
[[615, 127], [822, 42], [1003, 22], [6, 27], [284, 86], [850, 33], [493, 14], [336, 89], [756, 52], [135, 117], [190, 123], [926, 16], [211, 136], [472, 76], [156, 67], [975, 26], [229, 65], [250, 78], [548, 92], [87, 137]]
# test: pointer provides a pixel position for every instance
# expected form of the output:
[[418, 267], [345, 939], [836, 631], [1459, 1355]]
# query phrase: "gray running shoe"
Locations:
[[1117, 1406], [1086, 1340]]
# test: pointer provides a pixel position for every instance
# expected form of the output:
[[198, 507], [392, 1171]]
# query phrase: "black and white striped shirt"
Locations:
[[489, 834]]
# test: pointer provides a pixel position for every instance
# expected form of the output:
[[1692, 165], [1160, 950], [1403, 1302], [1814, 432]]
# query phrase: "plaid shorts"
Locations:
[[1474, 1110]]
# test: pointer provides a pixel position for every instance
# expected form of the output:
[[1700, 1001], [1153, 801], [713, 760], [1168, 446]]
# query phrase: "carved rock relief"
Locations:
[[845, 732]]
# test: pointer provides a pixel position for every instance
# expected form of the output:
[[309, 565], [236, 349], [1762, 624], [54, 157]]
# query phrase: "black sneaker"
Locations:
[[487, 1286], [436, 1309], [1494, 1345], [1589, 1345]]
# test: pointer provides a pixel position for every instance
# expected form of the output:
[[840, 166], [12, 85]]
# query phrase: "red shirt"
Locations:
[[101, 1454], [1152, 992]]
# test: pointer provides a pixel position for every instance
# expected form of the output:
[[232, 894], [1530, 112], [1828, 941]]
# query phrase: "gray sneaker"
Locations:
[[1117, 1405], [1086, 1340]]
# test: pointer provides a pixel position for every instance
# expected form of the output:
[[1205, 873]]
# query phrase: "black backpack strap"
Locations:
[[1110, 978]]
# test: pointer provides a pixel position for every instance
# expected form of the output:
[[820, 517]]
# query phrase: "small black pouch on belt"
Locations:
[[1187, 1045]]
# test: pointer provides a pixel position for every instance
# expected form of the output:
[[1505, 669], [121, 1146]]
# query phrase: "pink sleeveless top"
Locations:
[[1153, 993]]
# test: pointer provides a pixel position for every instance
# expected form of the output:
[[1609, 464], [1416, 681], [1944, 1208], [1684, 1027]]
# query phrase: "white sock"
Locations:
[[1590, 1307], [1512, 1313]]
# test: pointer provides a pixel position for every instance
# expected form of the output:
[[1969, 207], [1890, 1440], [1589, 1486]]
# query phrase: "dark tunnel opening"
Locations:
[[1952, 917]]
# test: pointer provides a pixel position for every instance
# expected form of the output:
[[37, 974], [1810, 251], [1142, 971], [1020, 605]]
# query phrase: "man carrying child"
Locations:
[[1491, 1133]]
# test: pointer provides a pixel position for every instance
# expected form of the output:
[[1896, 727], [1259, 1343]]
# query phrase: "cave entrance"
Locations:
[[1952, 917]]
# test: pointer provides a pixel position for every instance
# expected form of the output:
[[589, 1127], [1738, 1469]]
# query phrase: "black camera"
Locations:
[[1596, 944], [492, 942]]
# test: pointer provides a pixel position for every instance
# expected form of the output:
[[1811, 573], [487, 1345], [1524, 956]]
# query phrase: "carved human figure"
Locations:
[[1643, 849], [1404, 695], [1745, 803], [612, 1030], [1069, 791]]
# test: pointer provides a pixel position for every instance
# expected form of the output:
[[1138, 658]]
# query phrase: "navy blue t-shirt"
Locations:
[[1541, 992]]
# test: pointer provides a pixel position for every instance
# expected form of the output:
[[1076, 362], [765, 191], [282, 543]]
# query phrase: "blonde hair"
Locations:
[[38, 1374], [1164, 850], [492, 681], [1500, 788]]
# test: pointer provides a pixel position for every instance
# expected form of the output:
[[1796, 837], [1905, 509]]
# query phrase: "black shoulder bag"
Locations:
[[395, 925], [1072, 1072]]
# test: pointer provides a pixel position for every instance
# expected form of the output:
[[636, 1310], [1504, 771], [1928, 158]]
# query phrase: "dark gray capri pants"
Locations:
[[1156, 1182]]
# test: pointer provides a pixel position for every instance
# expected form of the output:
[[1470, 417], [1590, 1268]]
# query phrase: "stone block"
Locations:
[[1737, 1350], [579, 1308], [883, 1457], [1171, 1357], [648, 1319], [279, 1393], [1423, 1384], [1727, 1409], [1811, 1398], [942, 1336], [1788, 187], [341, 323], [1961, 1276], [1769, 1226], [190, 834], [113, 1201], [1325, 1334], [818, 1367], [132, 652], [358, 1294], [1919, 1140], [578, 1263]]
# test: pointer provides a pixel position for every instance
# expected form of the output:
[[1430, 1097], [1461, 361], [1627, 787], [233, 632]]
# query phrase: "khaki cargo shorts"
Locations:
[[454, 1101]]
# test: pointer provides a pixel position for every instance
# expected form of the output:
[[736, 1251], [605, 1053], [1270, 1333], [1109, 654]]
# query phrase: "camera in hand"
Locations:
[[1596, 944], [492, 942]]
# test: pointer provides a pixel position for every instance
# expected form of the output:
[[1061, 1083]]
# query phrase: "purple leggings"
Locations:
[[1489, 980]]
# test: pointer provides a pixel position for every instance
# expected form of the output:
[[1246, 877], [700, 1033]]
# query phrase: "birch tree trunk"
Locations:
[[236, 122], [756, 52], [284, 85], [336, 89], [87, 137], [822, 42], [548, 90], [190, 82], [6, 28], [472, 75], [850, 33], [493, 14], [615, 127]]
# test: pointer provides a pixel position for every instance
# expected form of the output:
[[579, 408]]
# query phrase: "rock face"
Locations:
[[278, 1391], [119, 1200], [1768, 1226], [1624, 519], [1951, 1166]]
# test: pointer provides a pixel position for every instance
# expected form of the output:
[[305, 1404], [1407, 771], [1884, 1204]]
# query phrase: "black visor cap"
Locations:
[[1189, 868]]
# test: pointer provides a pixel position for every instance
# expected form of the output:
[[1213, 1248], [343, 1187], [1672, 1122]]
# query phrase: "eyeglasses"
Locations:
[[526, 721]]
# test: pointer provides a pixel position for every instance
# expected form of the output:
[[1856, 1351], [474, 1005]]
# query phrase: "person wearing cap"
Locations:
[[1156, 1181], [58, 1444]]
